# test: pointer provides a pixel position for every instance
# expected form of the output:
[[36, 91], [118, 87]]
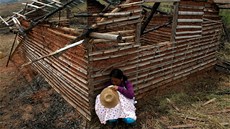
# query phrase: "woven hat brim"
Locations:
[[109, 104]]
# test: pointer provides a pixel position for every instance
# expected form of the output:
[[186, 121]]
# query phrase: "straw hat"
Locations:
[[109, 97]]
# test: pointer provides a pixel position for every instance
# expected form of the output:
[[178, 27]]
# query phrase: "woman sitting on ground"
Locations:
[[116, 100]]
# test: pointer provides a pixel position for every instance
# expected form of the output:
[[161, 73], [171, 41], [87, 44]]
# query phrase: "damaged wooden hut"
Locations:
[[74, 44]]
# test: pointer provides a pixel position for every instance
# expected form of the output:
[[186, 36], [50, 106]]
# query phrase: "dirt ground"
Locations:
[[202, 102], [30, 105]]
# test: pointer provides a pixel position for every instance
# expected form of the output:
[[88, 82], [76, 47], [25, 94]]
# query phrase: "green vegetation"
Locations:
[[166, 7], [225, 16], [224, 53], [190, 107]]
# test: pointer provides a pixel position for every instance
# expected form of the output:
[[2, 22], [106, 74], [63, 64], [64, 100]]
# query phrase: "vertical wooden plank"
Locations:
[[174, 23], [137, 41], [91, 8], [138, 32], [89, 46]]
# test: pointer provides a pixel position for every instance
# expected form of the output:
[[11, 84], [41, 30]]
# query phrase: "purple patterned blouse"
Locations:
[[126, 89]]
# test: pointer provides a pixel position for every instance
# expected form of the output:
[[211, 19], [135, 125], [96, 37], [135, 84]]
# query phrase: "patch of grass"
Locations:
[[190, 102], [225, 16], [224, 53]]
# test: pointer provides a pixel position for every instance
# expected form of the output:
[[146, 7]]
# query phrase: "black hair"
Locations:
[[117, 73]]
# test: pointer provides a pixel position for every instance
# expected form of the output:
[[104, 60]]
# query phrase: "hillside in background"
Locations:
[[7, 7], [10, 1]]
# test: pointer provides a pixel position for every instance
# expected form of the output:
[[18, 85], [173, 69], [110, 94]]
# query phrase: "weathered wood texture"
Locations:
[[105, 54], [150, 61], [66, 73], [197, 36], [160, 35]]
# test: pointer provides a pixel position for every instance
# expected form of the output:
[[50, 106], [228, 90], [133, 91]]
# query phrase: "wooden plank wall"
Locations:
[[105, 55], [79, 74], [194, 49], [152, 63], [190, 19], [160, 35], [66, 73]]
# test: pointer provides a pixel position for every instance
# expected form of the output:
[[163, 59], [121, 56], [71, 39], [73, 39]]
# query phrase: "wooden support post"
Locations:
[[18, 45], [174, 22], [11, 50]]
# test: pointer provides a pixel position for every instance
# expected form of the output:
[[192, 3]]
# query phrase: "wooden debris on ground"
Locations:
[[172, 104], [181, 126], [197, 117], [209, 101], [222, 111]]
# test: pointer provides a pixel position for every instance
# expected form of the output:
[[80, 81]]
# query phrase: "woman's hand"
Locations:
[[115, 88]]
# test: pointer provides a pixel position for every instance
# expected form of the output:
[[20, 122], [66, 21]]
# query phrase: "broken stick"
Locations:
[[223, 111], [182, 126], [209, 101], [172, 104]]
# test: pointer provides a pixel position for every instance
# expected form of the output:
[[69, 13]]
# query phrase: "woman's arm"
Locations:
[[128, 91]]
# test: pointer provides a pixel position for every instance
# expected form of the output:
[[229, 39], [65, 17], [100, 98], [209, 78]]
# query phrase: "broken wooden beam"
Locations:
[[48, 5], [149, 18], [157, 27], [125, 5], [105, 36], [41, 19], [53, 53], [113, 11], [31, 5], [127, 13], [5, 22], [20, 15], [115, 21]]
